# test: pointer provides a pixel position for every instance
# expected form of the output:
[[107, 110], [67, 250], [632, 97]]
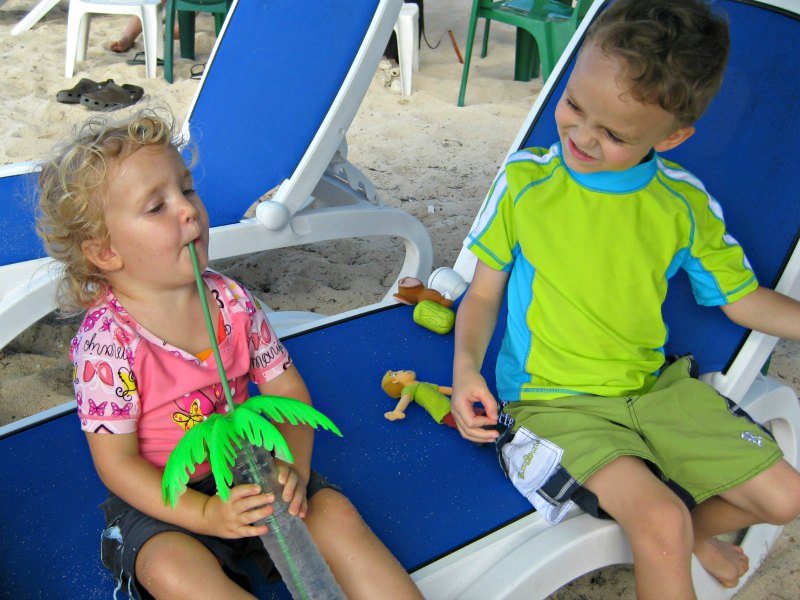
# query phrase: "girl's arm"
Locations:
[[767, 311], [475, 324], [123, 471], [300, 439]]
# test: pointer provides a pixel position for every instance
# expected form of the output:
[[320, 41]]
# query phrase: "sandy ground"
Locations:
[[423, 154]]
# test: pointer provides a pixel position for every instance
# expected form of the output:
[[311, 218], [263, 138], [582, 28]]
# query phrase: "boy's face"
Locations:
[[152, 212], [601, 126]]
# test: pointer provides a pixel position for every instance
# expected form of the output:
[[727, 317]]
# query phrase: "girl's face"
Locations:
[[152, 212]]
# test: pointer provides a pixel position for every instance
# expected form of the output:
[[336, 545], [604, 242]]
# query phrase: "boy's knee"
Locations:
[[783, 511], [781, 504], [664, 525]]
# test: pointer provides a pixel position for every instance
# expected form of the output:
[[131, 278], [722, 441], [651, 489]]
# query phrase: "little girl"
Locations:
[[117, 210]]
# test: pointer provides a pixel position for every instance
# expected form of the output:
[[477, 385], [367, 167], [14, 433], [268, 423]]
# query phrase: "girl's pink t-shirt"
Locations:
[[128, 380]]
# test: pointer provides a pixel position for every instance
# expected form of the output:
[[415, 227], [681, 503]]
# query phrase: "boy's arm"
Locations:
[[475, 324], [767, 311], [123, 471]]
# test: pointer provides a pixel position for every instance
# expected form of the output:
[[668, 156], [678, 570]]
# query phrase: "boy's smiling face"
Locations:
[[601, 126]]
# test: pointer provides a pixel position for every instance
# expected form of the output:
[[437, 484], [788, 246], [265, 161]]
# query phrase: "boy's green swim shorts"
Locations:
[[696, 440]]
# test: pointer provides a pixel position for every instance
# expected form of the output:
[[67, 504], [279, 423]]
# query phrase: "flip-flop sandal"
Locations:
[[112, 97], [138, 59], [84, 86], [196, 72]]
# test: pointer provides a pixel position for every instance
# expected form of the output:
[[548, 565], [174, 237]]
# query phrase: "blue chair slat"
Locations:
[[742, 154], [51, 523], [269, 90], [19, 241]]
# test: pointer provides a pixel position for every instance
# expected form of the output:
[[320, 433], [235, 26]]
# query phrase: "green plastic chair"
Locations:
[[544, 28], [186, 11]]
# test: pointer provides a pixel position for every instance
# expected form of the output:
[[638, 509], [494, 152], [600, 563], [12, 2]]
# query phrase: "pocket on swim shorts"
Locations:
[[530, 461]]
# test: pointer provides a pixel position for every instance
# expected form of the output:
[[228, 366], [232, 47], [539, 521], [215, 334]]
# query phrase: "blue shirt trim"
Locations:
[[616, 182]]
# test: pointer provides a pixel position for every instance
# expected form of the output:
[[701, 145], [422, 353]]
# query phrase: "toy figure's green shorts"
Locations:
[[699, 442]]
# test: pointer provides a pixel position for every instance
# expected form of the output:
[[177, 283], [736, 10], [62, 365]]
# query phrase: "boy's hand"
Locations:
[[294, 489], [234, 518], [471, 389]]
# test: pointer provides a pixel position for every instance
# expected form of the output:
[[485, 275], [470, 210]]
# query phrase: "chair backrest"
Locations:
[[278, 96], [19, 241], [744, 155]]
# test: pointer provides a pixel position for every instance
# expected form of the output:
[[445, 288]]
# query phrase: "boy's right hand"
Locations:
[[471, 389], [234, 518]]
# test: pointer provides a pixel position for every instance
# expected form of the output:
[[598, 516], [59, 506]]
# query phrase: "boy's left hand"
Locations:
[[294, 490]]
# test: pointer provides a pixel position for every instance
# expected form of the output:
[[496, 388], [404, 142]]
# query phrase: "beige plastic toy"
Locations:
[[433, 398]]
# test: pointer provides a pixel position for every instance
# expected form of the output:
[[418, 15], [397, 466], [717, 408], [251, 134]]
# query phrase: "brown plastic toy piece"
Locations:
[[411, 291]]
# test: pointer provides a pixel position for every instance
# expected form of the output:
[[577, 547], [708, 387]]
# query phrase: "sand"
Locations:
[[423, 154]]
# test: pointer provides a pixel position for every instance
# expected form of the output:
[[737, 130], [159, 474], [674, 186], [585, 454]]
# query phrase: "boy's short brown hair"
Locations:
[[675, 51]]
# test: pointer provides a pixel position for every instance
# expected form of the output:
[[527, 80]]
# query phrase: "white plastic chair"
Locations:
[[407, 31], [78, 28]]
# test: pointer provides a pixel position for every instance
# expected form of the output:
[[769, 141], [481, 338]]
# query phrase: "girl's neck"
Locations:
[[173, 315]]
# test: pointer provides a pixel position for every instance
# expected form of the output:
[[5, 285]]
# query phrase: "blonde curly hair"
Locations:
[[72, 187]]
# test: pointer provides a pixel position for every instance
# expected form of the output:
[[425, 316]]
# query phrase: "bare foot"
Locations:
[[123, 44], [727, 562]]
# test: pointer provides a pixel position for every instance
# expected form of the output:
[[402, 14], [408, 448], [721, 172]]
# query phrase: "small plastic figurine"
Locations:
[[411, 291], [433, 398]]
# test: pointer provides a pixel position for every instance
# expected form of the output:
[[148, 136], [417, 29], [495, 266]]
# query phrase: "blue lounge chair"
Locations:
[[441, 504]]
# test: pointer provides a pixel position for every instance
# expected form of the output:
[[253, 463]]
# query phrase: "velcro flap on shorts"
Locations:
[[531, 461]]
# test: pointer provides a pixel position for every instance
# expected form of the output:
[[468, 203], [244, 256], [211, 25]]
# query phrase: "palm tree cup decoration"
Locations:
[[243, 439]]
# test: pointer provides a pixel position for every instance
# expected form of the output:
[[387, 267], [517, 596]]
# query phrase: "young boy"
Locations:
[[582, 237]]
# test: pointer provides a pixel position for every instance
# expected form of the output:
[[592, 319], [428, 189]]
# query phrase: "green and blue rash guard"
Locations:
[[589, 257]]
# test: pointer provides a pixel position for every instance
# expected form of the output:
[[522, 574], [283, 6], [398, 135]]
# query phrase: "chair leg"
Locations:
[[74, 18], [33, 16], [407, 31], [151, 32], [169, 40], [186, 31], [526, 62], [83, 36], [485, 44], [219, 19], [547, 57], [473, 21]]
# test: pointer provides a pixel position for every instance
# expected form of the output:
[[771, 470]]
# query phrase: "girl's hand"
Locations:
[[235, 518], [294, 489], [469, 390]]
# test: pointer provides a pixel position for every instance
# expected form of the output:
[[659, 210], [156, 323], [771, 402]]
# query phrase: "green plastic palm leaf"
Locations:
[[191, 451], [250, 425], [281, 409]]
